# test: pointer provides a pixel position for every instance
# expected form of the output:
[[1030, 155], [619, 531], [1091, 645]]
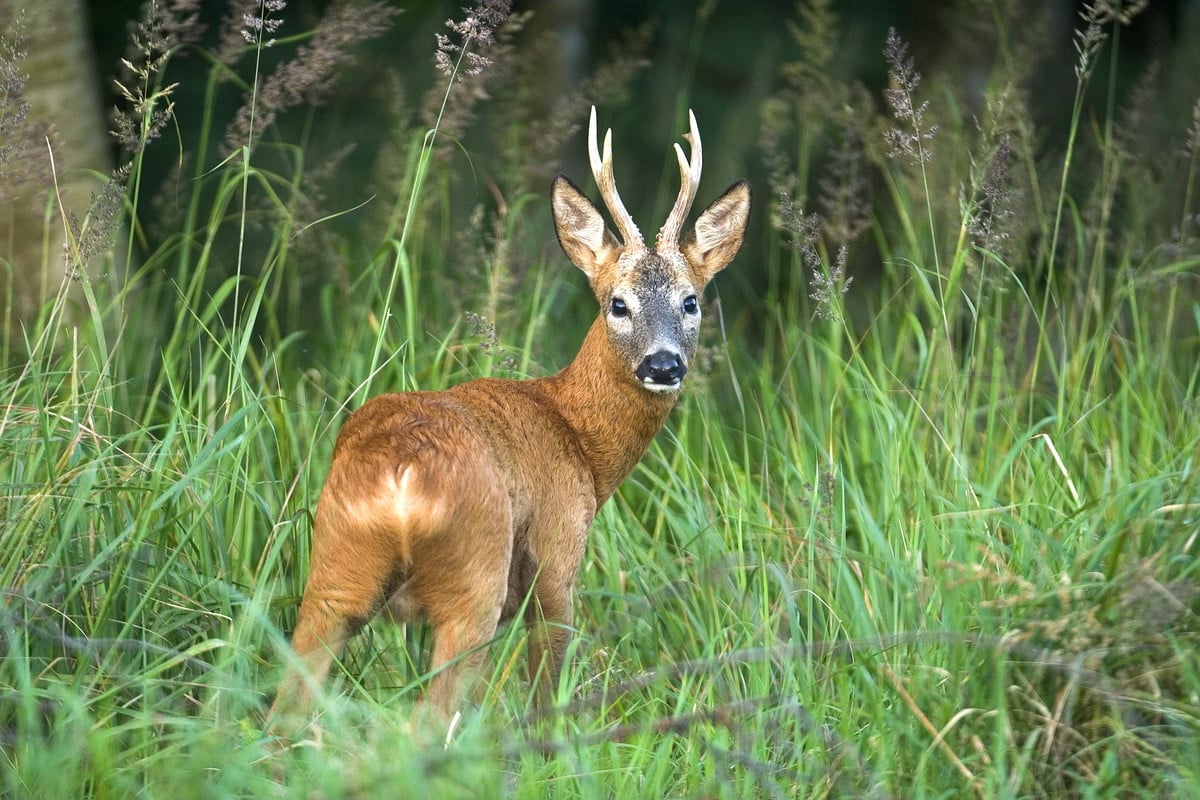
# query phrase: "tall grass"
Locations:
[[938, 540]]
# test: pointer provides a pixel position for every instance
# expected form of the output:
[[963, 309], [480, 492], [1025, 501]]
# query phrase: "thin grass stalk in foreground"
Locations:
[[1088, 44], [264, 26]]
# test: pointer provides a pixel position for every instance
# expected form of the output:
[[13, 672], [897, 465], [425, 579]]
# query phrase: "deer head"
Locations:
[[650, 297]]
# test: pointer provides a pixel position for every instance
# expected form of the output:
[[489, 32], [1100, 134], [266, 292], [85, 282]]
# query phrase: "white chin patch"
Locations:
[[662, 388]]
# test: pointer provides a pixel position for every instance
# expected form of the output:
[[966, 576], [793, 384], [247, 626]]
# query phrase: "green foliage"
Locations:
[[931, 537]]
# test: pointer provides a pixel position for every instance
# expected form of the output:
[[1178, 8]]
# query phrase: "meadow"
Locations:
[[925, 531]]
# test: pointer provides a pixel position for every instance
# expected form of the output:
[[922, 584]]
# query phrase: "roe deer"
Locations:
[[465, 505]]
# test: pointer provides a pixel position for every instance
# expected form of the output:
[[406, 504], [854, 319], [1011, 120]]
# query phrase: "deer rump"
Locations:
[[419, 517]]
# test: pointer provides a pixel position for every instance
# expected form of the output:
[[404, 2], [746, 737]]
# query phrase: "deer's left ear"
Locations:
[[718, 234]]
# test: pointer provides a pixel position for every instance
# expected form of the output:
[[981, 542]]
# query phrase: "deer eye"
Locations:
[[691, 305], [618, 308]]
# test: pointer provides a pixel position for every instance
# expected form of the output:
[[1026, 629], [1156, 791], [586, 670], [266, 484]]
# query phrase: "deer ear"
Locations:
[[718, 234], [580, 228]]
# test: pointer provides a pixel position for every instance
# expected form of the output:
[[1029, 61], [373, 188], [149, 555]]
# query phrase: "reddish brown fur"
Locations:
[[464, 505]]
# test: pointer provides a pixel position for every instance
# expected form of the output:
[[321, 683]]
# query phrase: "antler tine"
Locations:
[[602, 171], [689, 179]]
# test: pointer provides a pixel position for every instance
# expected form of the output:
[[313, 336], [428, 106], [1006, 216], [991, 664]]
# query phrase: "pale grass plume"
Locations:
[[1092, 36], [911, 139], [18, 135], [1192, 144], [146, 107], [845, 200], [472, 57], [310, 74], [990, 221], [476, 30], [258, 28], [828, 282], [232, 43]]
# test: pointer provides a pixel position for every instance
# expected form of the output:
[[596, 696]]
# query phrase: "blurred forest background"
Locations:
[[778, 88]]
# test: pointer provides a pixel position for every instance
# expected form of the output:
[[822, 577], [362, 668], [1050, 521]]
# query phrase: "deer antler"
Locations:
[[602, 171], [689, 178]]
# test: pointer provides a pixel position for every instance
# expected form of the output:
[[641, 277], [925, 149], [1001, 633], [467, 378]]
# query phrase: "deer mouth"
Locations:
[[661, 388]]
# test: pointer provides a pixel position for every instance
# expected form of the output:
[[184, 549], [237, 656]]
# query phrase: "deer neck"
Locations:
[[613, 417]]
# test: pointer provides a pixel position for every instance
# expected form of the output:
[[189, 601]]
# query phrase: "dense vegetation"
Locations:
[[930, 533]]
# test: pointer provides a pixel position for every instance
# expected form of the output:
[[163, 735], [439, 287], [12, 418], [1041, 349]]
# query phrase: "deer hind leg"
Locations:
[[464, 618], [459, 649], [345, 589], [461, 581], [463, 597]]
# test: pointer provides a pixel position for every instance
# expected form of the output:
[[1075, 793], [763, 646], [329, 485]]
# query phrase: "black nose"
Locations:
[[663, 367]]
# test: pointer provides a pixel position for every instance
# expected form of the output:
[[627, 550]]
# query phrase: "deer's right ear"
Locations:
[[580, 228]]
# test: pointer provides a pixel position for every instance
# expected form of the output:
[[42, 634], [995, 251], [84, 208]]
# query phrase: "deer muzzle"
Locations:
[[662, 371]]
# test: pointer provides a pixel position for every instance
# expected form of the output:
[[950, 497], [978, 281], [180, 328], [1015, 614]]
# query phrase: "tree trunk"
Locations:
[[64, 142]]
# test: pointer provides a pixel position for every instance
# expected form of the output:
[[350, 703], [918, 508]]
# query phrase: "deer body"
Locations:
[[465, 505]]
